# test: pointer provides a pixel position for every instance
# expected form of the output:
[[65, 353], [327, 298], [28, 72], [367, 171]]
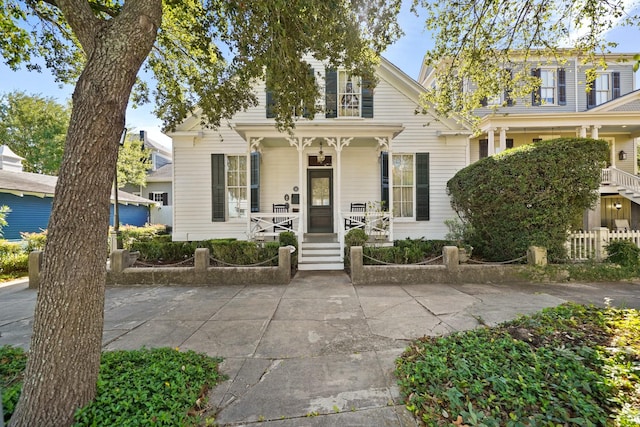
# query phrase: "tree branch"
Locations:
[[82, 21]]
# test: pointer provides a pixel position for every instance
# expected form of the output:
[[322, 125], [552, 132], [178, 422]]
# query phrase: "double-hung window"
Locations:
[[604, 88], [548, 86], [347, 95], [553, 86], [237, 186], [403, 175], [158, 196]]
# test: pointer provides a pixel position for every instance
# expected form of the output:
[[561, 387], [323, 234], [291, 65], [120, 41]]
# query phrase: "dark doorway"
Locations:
[[320, 200]]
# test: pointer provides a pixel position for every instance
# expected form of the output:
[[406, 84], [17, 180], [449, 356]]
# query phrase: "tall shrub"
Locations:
[[528, 196]]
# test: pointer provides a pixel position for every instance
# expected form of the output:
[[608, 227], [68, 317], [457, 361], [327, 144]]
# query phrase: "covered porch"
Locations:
[[312, 178]]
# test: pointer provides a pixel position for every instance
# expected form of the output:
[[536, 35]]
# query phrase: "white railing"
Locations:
[[584, 245], [376, 224], [272, 224], [621, 178]]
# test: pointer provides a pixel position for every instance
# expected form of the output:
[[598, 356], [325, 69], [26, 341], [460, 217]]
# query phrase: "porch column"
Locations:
[[302, 188], [594, 131], [582, 131], [254, 145], [491, 143], [503, 139]]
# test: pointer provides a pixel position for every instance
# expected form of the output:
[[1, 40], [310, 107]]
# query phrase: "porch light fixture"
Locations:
[[320, 154], [618, 205], [622, 155]]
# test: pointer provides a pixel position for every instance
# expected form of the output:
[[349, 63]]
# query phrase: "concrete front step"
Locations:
[[320, 256], [318, 266]]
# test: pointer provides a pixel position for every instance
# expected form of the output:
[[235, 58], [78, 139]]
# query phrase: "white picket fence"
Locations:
[[585, 245]]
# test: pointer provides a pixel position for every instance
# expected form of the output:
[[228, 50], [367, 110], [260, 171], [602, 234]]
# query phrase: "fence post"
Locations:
[[119, 260], [451, 257], [284, 264], [537, 256], [201, 261], [35, 264], [602, 239], [356, 263]]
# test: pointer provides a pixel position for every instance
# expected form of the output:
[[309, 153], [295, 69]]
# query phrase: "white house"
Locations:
[[368, 146], [562, 107]]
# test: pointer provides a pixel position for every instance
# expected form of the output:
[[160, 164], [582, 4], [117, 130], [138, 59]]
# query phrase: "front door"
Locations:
[[320, 200]]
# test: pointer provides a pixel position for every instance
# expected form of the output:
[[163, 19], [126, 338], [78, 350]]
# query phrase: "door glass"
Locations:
[[320, 191]]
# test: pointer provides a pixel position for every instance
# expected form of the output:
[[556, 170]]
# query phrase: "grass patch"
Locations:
[[569, 365], [162, 387]]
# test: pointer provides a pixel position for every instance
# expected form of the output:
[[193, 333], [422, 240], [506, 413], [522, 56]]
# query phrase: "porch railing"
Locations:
[[376, 225], [585, 245], [615, 176], [272, 224]]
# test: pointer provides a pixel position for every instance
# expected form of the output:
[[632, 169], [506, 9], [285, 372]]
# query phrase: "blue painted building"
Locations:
[[30, 198]]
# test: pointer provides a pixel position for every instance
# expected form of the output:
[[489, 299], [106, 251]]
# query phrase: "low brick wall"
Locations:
[[122, 274], [450, 272]]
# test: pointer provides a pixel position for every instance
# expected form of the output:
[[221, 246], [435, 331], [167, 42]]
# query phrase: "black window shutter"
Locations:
[[384, 181], [255, 181], [422, 186], [367, 99], [150, 196], [331, 94], [591, 96], [484, 102], [509, 143], [507, 92], [271, 104], [484, 148], [536, 94], [562, 87], [217, 188], [615, 84], [165, 199], [306, 113]]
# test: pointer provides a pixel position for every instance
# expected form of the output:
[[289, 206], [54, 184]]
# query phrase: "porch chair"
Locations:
[[622, 225], [356, 221], [281, 222]]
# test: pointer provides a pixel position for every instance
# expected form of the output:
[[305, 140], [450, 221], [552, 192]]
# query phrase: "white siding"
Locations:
[[279, 165]]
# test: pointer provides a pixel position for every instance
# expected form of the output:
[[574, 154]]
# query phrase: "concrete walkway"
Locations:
[[318, 352]]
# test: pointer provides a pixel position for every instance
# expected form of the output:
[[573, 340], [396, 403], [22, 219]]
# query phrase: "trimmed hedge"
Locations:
[[530, 195]]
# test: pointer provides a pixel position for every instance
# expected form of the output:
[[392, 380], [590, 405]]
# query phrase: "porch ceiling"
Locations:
[[336, 128]]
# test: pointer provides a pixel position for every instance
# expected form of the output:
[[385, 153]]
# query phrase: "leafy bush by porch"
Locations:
[[530, 195]]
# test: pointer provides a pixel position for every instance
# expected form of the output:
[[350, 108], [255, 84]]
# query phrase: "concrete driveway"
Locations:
[[317, 352]]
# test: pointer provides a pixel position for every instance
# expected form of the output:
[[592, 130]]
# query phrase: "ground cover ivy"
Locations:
[[570, 365], [161, 387]]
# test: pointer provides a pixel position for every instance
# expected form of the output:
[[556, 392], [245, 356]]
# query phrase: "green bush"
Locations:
[[9, 248], [14, 263], [407, 251], [354, 237], [34, 241], [530, 195], [167, 252], [131, 234], [624, 253]]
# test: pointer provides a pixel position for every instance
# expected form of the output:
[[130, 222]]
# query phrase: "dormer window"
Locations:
[[347, 95]]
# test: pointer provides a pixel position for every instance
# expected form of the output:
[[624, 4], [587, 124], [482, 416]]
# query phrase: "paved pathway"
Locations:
[[318, 352]]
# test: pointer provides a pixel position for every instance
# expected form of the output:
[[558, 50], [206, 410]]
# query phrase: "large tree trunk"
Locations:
[[67, 334]]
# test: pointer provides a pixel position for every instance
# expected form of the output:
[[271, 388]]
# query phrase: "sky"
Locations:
[[406, 53]]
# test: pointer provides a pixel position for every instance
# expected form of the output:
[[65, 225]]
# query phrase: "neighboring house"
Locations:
[[159, 187], [562, 107], [30, 198], [368, 146]]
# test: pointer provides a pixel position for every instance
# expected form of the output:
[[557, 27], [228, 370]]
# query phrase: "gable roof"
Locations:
[[628, 102], [386, 71], [34, 184], [162, 174]]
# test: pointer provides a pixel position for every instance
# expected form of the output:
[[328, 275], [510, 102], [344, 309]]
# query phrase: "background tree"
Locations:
[[477, 41], [134, 161], [531, 195], [34, 127], [104, 43]]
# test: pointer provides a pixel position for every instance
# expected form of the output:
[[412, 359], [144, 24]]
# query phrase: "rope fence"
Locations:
[[511, 261], [144, 264], [392, 263], [243, 265]]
